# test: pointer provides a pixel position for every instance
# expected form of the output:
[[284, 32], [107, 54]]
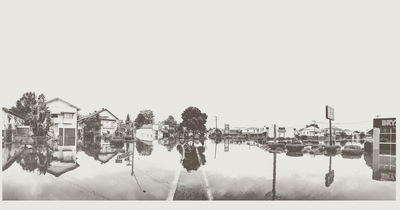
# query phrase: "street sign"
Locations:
[[330, 113]]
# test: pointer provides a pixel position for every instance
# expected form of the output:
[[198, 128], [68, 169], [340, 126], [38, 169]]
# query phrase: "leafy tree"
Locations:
[[194, 120], [343, 135], [148, 115], [35, 111], [139, 121], [144, 149], [24, 105], [128, 119], [171, 122], [92, 126], [362, 135]]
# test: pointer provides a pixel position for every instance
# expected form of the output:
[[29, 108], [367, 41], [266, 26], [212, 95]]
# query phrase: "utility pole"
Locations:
[[216, 119]]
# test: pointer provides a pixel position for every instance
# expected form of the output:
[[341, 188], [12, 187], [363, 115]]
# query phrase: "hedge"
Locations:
[[273, 146], [294, 147], [294, 154], [368, 146], [332, 149], [352, 152], [314, 141]]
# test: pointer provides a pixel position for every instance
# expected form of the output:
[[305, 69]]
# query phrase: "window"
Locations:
[[68, 116], [54, 115]]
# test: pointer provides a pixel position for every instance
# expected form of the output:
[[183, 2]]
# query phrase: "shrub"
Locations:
[[306, 150], [294, 147], [282, 142], [305, 141], [362, 141], [274, 146], [314, 141], [368, 146], [355, 152], [294, 154], [297, 142], [354, 147], [332, 149]]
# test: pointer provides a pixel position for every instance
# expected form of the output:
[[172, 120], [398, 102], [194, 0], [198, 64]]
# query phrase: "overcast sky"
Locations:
[[251, 63]]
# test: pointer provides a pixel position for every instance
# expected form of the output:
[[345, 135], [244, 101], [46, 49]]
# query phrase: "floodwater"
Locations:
[[168, 170]]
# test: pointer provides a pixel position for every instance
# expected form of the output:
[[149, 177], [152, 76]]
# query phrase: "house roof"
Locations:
[[55, 99], [95, 113], [13, 113], [147, 126]]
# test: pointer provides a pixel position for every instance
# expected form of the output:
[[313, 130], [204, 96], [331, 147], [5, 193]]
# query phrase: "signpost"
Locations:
[[226, 142], [330, 114]]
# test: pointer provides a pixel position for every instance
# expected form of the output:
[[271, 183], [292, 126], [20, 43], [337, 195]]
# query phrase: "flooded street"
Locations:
[[168, 170]]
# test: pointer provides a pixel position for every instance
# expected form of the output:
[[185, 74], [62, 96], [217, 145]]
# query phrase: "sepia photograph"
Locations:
[[225, 103]]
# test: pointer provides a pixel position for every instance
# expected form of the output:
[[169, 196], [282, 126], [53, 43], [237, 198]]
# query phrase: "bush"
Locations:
[[294, 154], [354, 147], [368, 146], [332, 149], [282, 142], [294, 147], [305, 141], [306, 150], [352, 152], [297, 142], [362, 141], [274, 146], [314, 141]]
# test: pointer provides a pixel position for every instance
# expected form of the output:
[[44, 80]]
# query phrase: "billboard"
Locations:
[[384, 122], [330, 113]]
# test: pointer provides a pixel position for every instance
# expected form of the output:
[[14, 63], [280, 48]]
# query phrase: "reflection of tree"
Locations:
[[190, 156], [170, 143], [35, 160], [144, 149], [368, 159]]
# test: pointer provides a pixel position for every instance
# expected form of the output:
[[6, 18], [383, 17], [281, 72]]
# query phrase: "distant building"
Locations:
[[108, 121]]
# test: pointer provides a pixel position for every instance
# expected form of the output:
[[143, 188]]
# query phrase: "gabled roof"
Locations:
[[59, 99], [95, 113], [13, 113]]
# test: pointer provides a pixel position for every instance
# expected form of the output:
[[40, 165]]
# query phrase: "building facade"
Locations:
[[64, 117], [11, 122]]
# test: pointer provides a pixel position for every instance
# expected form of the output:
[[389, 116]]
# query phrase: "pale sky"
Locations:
[[251, 63]]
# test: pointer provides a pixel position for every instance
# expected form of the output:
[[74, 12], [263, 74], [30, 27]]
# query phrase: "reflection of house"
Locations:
[[149, 132], [11, 120], [108, 121], [64, 116], [63, 162]]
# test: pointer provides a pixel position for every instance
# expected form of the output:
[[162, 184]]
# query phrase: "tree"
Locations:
[[92, 126], [171, 122], [362, 135], [35, 111], [144, 149], [148, 115], [139, 121], [194, 120], [343, 135], [128, 120]]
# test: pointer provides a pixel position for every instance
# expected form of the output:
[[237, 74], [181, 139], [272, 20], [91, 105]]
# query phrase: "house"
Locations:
[[108, 121], [13, 121], [149, 132], [64, 129], [311, 131]]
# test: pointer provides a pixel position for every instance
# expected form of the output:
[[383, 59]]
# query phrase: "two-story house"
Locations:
[[107, 119], [64, 117], [149, 132]]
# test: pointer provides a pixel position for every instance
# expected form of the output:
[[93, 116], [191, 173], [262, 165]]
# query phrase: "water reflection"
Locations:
[[41, 159], [192, 157], [144, 148], [330, 176]]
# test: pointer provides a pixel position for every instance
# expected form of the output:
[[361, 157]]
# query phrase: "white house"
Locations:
[[108, 121], [64, 117], [149, 132], [281, 132], [10, 120], [311, 131]]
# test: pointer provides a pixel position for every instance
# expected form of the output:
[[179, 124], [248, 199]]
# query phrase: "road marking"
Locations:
[[174, 185], [204, 176]]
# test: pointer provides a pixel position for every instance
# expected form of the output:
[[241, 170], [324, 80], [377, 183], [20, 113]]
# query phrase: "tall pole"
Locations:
[[215, 155], [330, 132]]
